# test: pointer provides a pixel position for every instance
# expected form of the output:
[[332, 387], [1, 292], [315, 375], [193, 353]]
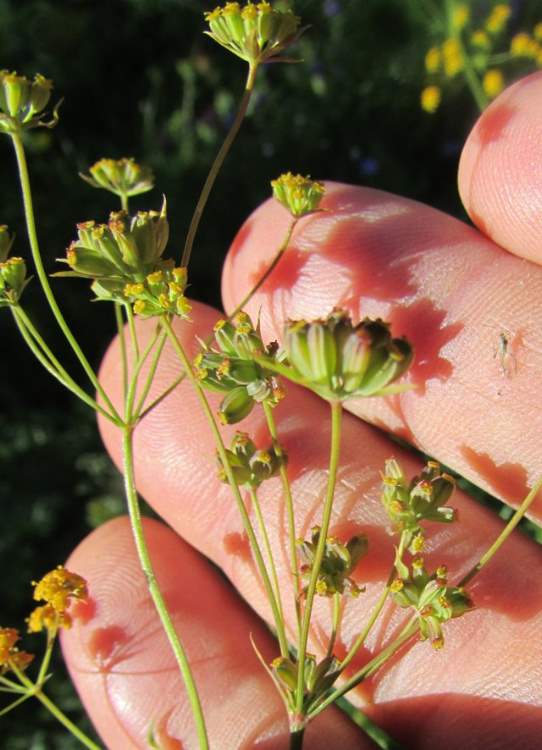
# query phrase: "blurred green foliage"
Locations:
[[139, 79]]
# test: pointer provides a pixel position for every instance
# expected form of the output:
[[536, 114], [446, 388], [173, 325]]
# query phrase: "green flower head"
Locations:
[[124, 251], [256, 32], [339, 361], [23, 101], [123, 177]]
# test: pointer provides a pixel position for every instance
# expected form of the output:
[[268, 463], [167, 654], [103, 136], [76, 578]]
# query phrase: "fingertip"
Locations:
[[499, 170]]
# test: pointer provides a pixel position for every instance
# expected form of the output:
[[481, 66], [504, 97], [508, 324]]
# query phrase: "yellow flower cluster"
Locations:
[[10, 656], [57, 588], [472, 50], [527, 46]]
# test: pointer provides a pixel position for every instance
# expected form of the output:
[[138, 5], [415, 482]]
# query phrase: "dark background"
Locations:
[[140, 79]]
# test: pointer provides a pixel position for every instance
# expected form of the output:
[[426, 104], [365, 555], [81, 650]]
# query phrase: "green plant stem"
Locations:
[[335, 623], [133, 332], [154, 588], [152, 372], [268, 271], [46, 358], [16, 703], [296, 739], [217, 165], [124, 202], [247, 525], [289, 502], [35, 689], [162, 396], [46, 659], [67, 723], [131, 416], [503, 536], [122, 343], [471, 77], [38, 262], [369, 669], [336, 422], [267, 546], [360, 640]]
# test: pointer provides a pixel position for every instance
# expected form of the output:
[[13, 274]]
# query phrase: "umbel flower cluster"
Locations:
[[124, 259], [256, 32], [57, 589], [478, 51]]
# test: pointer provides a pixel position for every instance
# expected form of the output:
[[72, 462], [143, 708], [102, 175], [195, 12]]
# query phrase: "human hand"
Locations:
[[454, 294]]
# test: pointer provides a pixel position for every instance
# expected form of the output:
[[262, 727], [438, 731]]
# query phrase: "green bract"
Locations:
[[339, 361], [299, 195], [124, 251], [338, 563], [318, 676], [123, 177], [22, 102], [230, 368], [255, 33], [433, 601]]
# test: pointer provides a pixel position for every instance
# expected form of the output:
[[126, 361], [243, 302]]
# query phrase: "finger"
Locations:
[[499, 171], [472, 311], [124, 670], [176, 472]]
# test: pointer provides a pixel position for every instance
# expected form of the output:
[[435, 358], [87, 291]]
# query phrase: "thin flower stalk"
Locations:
[[46, 358], [122, 343], [379, 606], [268, 549], [60, 716], [505, 533], [289, 502], [154, 588], [217, 165], [247, 525], [336, 423], [42, 275], [471, 77]]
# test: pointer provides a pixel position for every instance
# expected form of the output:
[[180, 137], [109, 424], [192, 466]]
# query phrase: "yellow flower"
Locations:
[[523, 45], [10, 656], [480, 39], [59, 586], [46, 617], [8, 639], [453, 57], [430, 99], [537, 31], [493, 83], [432, 60], [460, 16], [498, 18]]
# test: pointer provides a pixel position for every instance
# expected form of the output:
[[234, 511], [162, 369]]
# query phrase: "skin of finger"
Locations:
[[124, 669], [499, 170], [471, 310], [176, 474]]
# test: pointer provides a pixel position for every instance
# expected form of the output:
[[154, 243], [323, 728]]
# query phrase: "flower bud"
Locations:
[[230, 367], [12, 281], [123, 177], [422, 499], [338, 563], [299, 195], [124, 251], [339, 361], [22, 101], [255, 33], [6, 241]]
